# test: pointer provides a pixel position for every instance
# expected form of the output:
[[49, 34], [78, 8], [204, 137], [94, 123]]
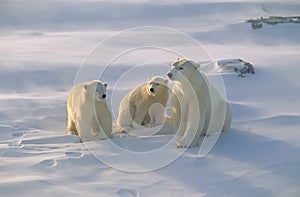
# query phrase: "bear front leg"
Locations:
[[156, 113], [190, 138], [125, 119], [85, 130], [193, 129], [105, 124], [182, 128], [182, 120], [97, 133], [139, 116], [71, 128]]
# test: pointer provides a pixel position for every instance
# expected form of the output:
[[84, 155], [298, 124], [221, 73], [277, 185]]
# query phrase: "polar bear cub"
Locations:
[[88, 113], [144, 105], [197, 107]]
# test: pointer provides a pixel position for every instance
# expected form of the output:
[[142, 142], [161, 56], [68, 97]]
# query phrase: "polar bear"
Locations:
[[197, 107], [144, 105], [88, 113]]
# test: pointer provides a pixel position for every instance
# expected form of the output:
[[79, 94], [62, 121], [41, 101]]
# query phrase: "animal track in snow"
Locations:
[[16, 144], [49, 163], [71, 154]]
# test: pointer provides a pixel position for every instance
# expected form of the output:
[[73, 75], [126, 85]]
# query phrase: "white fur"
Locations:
[[141, 107], [197, 107], [88, 113]]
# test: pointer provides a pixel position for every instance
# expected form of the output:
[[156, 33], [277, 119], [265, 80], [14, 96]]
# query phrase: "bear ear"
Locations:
[[85, 86], [105, 84], [149, 78]]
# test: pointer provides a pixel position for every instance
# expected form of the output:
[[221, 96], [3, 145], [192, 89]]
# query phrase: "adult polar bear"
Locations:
[[144, 105], [197, 107], [88, 113]]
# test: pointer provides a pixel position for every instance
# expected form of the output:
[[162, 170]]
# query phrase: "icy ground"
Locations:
[[42, 46]]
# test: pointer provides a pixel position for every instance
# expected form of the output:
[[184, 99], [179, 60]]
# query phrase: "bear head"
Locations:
[[182, 69], [96, 90], [156, 84]]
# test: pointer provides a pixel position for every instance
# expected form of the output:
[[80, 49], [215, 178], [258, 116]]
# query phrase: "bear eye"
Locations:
[[180, 68], [157, 84]]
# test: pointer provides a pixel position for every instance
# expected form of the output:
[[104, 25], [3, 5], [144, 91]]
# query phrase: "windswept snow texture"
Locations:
[[44, 42]]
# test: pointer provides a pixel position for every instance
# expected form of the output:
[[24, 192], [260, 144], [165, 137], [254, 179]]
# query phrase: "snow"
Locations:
[[40, 56]]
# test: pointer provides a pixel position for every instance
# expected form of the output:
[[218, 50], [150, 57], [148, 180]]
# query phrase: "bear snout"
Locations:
[[170, 75], [104, 96], [152, 90]]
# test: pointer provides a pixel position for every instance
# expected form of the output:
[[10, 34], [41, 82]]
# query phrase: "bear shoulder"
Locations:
[[139, 93]]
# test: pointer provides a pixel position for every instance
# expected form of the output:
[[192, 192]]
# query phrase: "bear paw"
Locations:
[[183, 143], [126, 129], [186, 142], [180, 144]]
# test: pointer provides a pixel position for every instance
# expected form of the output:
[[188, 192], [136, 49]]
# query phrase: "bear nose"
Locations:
[[104, 96], [151, 89], [170, 75]]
